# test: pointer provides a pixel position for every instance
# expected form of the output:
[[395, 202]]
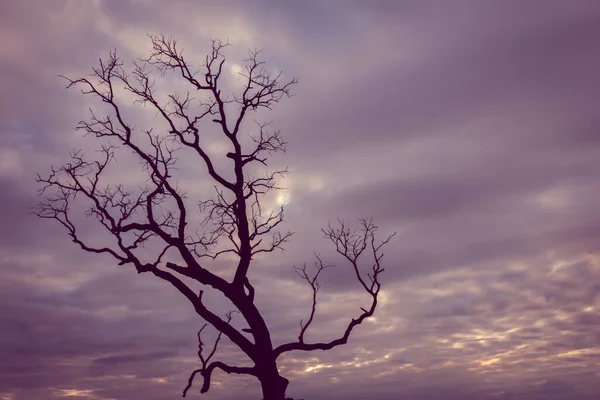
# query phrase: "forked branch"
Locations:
[[313, 281], [208, 367], [351, 245]]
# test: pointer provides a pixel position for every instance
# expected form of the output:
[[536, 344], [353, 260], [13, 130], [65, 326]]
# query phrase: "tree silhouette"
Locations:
[[154, 220]]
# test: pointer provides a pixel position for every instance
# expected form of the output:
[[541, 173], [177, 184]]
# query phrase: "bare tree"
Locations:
[[234, 221]]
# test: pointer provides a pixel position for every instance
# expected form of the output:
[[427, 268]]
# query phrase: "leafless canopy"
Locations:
[[234, 221]]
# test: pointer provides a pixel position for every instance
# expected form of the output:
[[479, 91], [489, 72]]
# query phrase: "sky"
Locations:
[[468, 127]]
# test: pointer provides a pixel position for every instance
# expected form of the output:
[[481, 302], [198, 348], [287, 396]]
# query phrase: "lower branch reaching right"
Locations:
[[351, 245]]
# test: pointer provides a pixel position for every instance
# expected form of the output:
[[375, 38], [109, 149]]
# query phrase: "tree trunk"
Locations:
[[273, 385]]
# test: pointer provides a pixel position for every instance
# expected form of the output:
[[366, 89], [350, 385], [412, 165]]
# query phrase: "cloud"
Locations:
[[469, 128]]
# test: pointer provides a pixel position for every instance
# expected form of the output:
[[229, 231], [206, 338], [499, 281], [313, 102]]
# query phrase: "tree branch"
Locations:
[[207, 373], [206, 369], [315, 286], [351, 245]]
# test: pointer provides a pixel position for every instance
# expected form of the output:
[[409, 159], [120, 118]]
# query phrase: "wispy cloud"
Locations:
[[469, 127]]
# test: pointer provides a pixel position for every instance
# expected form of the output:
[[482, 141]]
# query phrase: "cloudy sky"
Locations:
[[469, 127]]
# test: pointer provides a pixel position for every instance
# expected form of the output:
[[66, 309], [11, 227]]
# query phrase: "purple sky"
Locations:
[[470, 127]]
